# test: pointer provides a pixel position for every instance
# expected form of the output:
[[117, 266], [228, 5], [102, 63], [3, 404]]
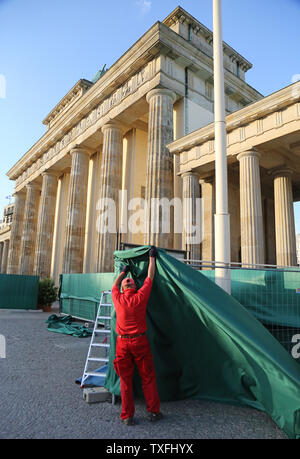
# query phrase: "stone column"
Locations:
[[110, 184], [179, 111], [209, 208], [29, 229], [16, 233], [1, 254], [192, 217], [44, 240], [76, 212], [60, 225], [235, 225], [128, 163], [4, 256], [90, 233], [252, 236], [286, 254], [160, 166], [270, 235]]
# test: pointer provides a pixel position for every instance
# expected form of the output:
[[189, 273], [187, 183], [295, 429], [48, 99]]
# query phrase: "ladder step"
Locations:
[[96, 331], [100, 345], [95, 359], [94, 373], [100, 359]]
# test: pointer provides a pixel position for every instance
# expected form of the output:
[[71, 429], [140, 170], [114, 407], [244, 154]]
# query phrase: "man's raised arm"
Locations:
[[152, 255], [122, 274]]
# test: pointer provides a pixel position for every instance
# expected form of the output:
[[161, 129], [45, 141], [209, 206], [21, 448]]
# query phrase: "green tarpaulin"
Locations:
[[206, 345], [66, 326], [18, 292], [80, 293]]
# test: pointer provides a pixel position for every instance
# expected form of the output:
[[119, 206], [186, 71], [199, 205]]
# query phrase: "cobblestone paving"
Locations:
[[39, 397]]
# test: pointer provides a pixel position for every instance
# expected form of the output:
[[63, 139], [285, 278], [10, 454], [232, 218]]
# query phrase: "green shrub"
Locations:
[[47, 292]]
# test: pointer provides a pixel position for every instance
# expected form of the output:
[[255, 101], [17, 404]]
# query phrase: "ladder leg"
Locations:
[[105, 315]]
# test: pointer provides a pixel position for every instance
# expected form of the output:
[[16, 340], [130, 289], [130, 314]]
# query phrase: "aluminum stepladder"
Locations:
[[103, 318]]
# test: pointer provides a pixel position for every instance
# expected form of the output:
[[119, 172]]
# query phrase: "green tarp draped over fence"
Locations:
[[80, 293], [18, 292], [206, 345], [271, 296]]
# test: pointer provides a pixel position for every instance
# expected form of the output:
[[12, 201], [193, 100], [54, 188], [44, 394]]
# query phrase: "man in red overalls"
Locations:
[[132, 342]]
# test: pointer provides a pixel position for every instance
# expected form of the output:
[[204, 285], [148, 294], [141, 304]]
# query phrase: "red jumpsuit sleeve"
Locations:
[[115, 294], [144, 292]]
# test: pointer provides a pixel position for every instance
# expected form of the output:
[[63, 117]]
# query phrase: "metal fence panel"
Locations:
[[272, 296]]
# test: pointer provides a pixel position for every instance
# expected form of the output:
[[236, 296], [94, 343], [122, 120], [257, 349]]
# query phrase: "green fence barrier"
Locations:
[[272, 296], [18, 292], [80, 293]]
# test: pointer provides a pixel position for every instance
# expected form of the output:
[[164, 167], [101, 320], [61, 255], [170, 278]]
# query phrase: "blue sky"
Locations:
[[47, 46]]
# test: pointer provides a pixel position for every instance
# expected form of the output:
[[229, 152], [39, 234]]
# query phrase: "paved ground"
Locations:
[[39, 397]]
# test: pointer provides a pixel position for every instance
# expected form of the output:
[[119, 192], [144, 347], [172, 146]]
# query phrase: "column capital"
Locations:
[[52, 173], [20, 192], [209, 180], [81, 149], [67, 170], [190, 174], [248, 154], [162, 92], [33, 185], [283, 171], [112, 125]]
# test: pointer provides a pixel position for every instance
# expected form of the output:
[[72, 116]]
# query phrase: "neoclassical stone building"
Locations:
[[144, 127], [5, 236], [263, 148]]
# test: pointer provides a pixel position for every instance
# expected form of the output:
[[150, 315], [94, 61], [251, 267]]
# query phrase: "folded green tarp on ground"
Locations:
[[206, 345], [66, 326]]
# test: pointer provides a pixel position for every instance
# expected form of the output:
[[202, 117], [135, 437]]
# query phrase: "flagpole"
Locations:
[[222, 219]]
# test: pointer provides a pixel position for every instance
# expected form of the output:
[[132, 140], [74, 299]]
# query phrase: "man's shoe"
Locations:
[[128, 421], [153, 417]]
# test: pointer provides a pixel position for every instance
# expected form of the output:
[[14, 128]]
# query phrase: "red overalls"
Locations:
[[130, 308]]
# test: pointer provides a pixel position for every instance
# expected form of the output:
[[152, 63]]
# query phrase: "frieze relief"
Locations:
[[128, 88]]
